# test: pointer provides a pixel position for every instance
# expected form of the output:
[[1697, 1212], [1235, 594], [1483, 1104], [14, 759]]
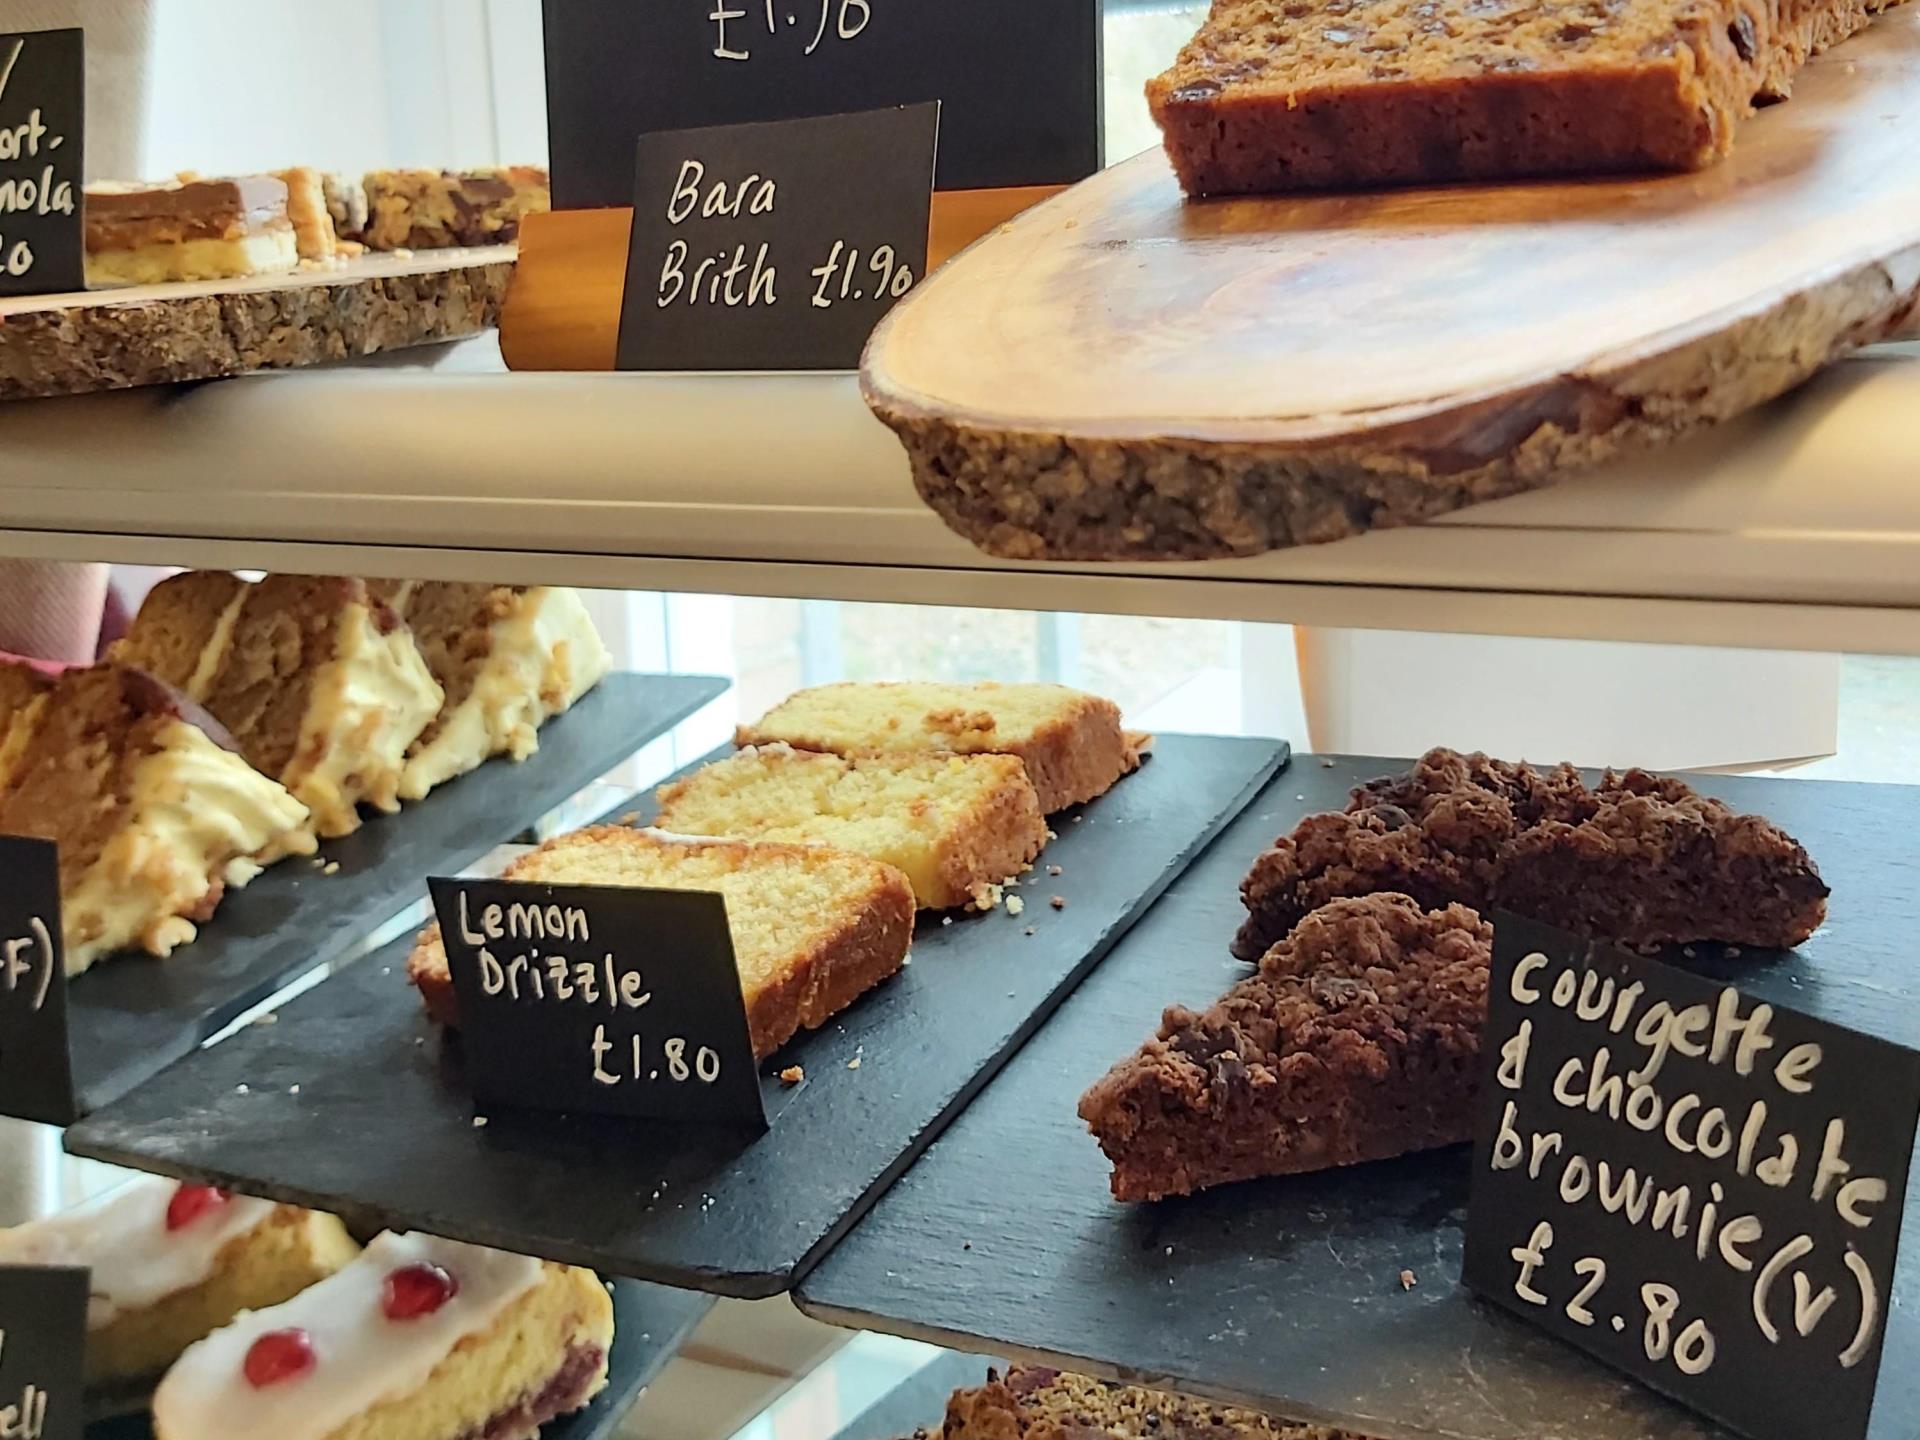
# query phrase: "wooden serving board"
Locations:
[[113, 339], [355, 1103], [1285, 1294], [1120, 374]]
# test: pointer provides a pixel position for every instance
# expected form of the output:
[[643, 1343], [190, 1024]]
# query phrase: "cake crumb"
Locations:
[[792, 1075], [272, 1017], [1032, 930], [332, 867], [632, 817], [946, 920], [1059, 902], [1408, 1280], [1078, 818], [1326, 764], [242, 1090], [1055, 871], [1015, 905], [293, 1090], [854, 1063], [479, 1122]]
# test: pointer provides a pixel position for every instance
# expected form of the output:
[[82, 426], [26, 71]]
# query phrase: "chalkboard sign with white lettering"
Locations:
[[42, 162], [775, 247], [1698, 1188], [36, 1074], [43, 1343], [600, 1000], [1020, 80]]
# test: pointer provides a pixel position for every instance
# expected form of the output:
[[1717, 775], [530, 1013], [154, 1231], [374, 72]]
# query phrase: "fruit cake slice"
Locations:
[[508, 657], [813, 929], [1033, 1403], [155, 814], [959, 826], [1358, 1039], [1276, 95], [1071, 743], [417, 1339], [325, 690], [1638, 859], [173, 1262]]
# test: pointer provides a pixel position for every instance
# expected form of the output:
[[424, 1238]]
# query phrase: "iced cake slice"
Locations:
[[434, 209], [324, 689], [1033, 1403], [155, 814], [417, 1339], [174, 1262], [958, 826], [813, 929], [1638, 859], [508, 657], [1071, 743], [193, 230], [1358, 1039]]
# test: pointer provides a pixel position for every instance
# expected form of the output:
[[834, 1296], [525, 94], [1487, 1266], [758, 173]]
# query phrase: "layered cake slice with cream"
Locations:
[[418, 1339], [171, 1263], [318, 679], [155, 814], [23, 699], [192, 230], [509, 657]]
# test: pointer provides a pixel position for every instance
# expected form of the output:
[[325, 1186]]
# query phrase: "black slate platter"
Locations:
[[650, 1324], [353, 1103], [129, 1019], [1285, 1294]]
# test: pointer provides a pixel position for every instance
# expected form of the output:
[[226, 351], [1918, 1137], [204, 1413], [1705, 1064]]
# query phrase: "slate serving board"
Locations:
[[128, 1019], [382, 1128], [1285, 1294], [650, 1324]]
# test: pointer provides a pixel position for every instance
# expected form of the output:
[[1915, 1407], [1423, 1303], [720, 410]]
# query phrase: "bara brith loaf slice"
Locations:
[[324, 689], [1071, 743], [813, 929], [959, 826], [1358, 1039], [1032, 1403], [1277, 95], [1638, 859]]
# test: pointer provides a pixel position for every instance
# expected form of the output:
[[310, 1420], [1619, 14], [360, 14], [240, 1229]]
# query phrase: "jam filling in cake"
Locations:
[[154, 813], [419, 1338]]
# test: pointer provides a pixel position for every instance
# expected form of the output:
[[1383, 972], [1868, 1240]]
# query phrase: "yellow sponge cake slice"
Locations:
[[1072, 743], [958, 826]]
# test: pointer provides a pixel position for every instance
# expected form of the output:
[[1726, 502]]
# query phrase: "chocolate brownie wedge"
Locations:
[[1638, 858], [1358, 1039]]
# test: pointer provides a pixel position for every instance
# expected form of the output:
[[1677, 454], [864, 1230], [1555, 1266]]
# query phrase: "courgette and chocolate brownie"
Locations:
[[1357, 1039], [1637, 858], [1032, 1403]]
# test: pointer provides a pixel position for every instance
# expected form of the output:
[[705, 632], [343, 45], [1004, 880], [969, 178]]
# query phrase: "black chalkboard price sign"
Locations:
[[775, 247], [36, 1074], [43, 1340], [1699, 1188], [600, 1000], [1020, 80], [42, 162]]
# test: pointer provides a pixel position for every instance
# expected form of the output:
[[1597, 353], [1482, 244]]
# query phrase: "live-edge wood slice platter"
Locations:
[[113, 338], [130, 1017], [650, 1324], [1285, 1294], [355, 1103], [1120, 375]]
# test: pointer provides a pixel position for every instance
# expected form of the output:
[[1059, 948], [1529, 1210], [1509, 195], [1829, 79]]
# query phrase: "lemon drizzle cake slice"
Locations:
[[958, 826], [508, 657], [154, 814], [173, 1262], [417, 1339], [1072, 743], [813, 929]]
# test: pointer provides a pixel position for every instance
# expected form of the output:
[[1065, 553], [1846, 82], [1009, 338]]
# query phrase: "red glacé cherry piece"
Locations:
[[190, 1202], [279, 1355], [416, 1290]]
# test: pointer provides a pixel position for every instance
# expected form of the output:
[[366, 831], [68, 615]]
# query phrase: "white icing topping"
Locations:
[[368, 704], [363, 1358], [217, 645], [194, 811], [544, 655], [122, 1237]]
